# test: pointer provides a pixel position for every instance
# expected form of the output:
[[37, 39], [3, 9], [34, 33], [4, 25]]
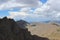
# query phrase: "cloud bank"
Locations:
[[8, 4], [32, 9]]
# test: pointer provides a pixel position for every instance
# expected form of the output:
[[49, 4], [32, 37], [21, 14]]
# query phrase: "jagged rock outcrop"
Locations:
[[9, 30], [22, 24]]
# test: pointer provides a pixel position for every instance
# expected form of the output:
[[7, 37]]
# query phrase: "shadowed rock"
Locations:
[[9, 30], [22, 24], [35, 37]]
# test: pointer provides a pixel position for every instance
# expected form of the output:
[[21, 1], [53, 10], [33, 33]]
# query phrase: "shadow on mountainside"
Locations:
[[22, 24], [9, 30]]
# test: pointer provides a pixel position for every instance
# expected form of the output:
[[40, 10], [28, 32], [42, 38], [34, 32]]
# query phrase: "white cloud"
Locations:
[[25, 13], [51, 9], [54, 4], [54, 8], [8, 4], [48, 10], [17, 14], [42, 9]]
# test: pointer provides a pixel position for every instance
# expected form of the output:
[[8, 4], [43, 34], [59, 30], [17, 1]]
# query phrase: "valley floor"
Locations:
[[45, 30]]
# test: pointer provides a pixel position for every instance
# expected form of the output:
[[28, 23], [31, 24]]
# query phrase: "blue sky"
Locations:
[[6, 12], [3, 13], [43, 1], [38, 10]]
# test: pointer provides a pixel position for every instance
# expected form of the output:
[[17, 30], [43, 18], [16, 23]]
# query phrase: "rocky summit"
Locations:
[[9, 30]]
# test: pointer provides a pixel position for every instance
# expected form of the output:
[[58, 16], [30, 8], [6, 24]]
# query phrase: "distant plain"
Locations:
[[49, 30]]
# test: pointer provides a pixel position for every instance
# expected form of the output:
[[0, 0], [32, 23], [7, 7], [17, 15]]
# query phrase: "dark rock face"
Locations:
[[9, 30], [22, 24]]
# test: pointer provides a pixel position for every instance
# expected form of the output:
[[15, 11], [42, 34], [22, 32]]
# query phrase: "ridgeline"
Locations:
[[9, 30]]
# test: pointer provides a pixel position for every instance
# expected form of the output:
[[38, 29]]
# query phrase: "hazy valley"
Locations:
[[49, 30]]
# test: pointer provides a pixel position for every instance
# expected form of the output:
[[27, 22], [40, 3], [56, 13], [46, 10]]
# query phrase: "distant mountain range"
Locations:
[[50, 21]]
